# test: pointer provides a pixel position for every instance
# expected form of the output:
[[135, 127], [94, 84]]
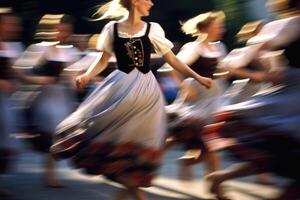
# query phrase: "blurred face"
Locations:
[[83, 43], [143, 6], [10, 27], [216, 30], [64, 32]]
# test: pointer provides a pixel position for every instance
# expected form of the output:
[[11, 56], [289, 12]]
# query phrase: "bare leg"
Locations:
[[185, 171], [122, 195], [51, 176], [195, 156], [235, 171], [212, 162], [191, 157], [138, 194]]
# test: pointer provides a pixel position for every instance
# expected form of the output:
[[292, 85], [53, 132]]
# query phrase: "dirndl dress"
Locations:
[[121, 126], [187, 118]]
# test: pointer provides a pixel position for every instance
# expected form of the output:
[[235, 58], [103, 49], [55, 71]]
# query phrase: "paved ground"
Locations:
[[26, 183]]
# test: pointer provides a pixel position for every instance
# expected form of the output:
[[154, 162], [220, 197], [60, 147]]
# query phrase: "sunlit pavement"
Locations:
[[25, 182]]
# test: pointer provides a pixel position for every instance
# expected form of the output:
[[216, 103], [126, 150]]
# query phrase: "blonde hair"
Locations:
[[114, 9], [196, 25]]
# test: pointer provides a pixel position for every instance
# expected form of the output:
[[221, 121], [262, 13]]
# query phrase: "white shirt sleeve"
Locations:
[[223, 50], [157, 37], [189, 53], [278, 33], [105, 40], [236, 58]]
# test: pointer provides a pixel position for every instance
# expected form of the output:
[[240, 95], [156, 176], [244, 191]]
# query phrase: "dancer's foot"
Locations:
[[51, 176], [137, 194], [186, 172], [170, 142], [122, 195], [215, 179], [191, 157]]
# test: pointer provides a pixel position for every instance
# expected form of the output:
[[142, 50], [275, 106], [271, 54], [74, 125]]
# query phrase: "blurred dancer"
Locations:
[[195, 103], [243, 88], [118, 131], [49, 103], [263, 131]]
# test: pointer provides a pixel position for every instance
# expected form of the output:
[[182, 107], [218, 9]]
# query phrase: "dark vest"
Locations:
[[205, 66], [292, 53], [50, 68], [132, 52], [5, 68]]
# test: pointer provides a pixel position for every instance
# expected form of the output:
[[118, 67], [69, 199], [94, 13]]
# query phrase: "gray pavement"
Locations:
[[25, 181]]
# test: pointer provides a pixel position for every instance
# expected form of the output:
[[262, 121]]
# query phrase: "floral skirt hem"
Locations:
[[129, 163]]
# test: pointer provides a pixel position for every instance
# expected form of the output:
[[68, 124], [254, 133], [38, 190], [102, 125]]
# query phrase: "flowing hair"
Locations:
[[113, 9], [196, 25]]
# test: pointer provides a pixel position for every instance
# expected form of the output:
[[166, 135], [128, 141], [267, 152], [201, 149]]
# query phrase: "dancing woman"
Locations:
[[122, 123], [195, 103]]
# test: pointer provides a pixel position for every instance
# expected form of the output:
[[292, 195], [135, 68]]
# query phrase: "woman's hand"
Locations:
[[207, 82], [82, 80]]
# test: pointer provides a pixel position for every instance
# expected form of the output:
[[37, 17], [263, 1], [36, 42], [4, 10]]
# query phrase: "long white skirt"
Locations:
[[126, 118]]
